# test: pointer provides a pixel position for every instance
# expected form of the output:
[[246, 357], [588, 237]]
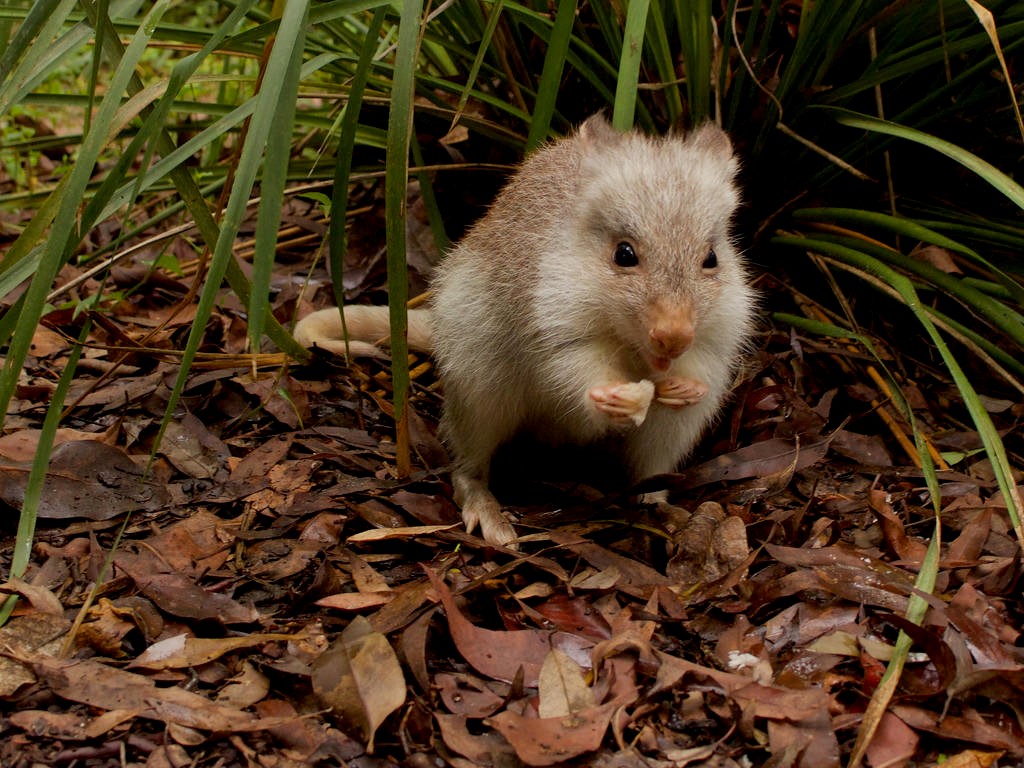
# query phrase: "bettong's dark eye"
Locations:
[[711, 260], [625, 256]]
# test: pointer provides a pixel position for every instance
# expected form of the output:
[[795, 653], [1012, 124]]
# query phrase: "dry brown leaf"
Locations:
[[180, 596], [23, 444], [549, 741], [366, 579], [99, 685], [574, 614], [283, 398], [304, 735], [105, 629], [970, 758], [255, 465], [118, 392], [937, 256], [404, 532], [360, 679], [562, 689], [497, 654], [355, 601], [483, 749], [182, 651], [970, 729], [193, 449], [467, 695], [25, 636], [86, 478], [66, 726], [907, 549], [42, 599], [46, 342], [197, 544], [894, 743], [245, 689], [267, 561], [763, 459], [627, 570]]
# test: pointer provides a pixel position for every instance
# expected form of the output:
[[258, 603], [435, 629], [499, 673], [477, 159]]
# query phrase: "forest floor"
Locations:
[[271, 593]]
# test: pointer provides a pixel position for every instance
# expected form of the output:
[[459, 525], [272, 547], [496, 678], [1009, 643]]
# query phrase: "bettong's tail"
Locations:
[[368, 327]]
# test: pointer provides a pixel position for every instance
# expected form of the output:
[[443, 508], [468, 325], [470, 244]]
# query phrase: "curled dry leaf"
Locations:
[[41, 598], [360, 679]]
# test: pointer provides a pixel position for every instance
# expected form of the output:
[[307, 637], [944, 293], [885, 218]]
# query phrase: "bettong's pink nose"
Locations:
[[671, 340], [670, 331]]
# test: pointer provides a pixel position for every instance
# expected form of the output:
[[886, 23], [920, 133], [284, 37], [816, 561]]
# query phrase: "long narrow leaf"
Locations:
[[629, 65], [396, 182], [336, 235], [986, 171], [275, 176], [990, 438], [280, 59], [65, 219], [915, 230], [551, 75], [21, 555]]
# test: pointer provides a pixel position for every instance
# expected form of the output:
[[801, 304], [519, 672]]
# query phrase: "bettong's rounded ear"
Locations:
[[596, 131], [712, 139]]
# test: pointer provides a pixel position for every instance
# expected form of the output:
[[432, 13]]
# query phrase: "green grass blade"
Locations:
[[434, 217], [695, 42], [57, 244], [990, 438], [551, 75], [663, 58], [249, 164], [998, 315], [629, 65], [337, 236], [272, 183], [35, 48], [153, 125], [44, 19], [494, 15], [972, 162], [396, 181], [29, 515]]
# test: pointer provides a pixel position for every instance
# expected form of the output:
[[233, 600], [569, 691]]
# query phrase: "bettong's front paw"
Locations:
[[626, 402], [678, 392]]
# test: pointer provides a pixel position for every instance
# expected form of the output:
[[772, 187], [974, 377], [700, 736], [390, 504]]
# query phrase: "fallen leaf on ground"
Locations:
[[360, 679], [86, 478]]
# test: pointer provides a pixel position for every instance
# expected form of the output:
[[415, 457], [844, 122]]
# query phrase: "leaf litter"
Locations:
[[280, 597]]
